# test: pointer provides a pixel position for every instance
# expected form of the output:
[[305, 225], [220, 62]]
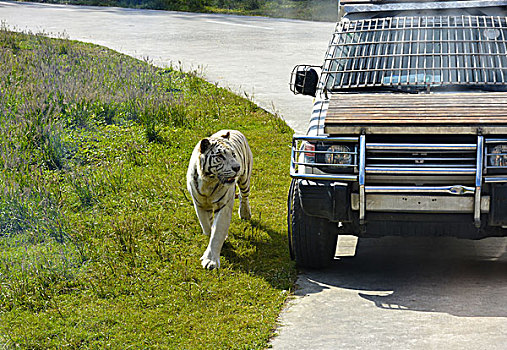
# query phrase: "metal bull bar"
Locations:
[[458, 190], [297, 158], [363, 164]]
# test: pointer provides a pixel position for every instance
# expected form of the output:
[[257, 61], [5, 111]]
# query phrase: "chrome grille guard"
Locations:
[[298, 163], [377, 158]]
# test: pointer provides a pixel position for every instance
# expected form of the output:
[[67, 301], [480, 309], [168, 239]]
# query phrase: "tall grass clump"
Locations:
[[99, 243]]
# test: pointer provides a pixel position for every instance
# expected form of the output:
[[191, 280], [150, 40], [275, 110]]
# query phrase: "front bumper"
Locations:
[[372, 193]]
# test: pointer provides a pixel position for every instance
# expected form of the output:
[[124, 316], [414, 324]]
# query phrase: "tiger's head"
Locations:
[[218, 159]]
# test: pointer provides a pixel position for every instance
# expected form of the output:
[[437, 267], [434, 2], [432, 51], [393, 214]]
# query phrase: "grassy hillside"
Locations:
[[99, 244], [316, 10]]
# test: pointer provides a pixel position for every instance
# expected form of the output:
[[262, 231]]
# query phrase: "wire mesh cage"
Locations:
[[417, 51]]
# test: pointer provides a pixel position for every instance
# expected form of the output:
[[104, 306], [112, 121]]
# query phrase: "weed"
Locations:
[[85, 188], [178, 115], [278, 123]]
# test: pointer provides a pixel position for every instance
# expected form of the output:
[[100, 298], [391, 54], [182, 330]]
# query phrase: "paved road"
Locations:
[[395, 293], [247, 54], [402, 293]]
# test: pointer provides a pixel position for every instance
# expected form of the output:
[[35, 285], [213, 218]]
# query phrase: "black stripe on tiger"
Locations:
[[218, 200]]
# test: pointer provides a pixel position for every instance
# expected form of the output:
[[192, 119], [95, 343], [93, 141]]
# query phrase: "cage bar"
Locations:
[[417, 51]]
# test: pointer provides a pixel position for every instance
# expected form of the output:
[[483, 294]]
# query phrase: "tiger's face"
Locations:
[[218, 160]]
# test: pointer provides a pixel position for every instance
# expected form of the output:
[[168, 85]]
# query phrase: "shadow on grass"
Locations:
[[261, 250]]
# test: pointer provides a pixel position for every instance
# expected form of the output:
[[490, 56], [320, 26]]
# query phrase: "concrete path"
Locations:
[[246, 54], [395, 293], [402, 293]]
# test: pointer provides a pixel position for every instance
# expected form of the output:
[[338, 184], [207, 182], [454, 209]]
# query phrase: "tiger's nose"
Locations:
[[236, 167]]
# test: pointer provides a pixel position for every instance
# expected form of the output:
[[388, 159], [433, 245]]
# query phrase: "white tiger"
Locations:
[[217, 164]]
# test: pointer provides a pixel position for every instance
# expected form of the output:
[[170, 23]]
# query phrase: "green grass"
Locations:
[[99, 243], [315, 10]]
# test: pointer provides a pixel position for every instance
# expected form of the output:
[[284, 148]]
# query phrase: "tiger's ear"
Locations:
[[205, 144], [226, 136]]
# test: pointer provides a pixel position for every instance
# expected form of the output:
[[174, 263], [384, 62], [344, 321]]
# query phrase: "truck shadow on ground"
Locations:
[[445, 275]]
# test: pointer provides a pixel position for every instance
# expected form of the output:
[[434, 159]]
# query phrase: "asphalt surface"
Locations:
[[253, 56], [390, 293]]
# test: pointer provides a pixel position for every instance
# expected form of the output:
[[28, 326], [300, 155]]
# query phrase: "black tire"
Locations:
[[312, 240]]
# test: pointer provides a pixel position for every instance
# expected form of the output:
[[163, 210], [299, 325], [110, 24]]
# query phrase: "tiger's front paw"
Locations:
[[209, 261], [244, 210]]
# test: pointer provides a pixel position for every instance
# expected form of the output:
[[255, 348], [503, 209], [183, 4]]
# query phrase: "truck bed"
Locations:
[[396, 113]]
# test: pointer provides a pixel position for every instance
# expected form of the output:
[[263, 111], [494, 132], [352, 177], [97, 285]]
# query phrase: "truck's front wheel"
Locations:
[[312, 242]]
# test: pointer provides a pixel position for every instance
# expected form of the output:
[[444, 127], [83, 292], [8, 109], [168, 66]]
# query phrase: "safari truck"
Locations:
[[408, 132]]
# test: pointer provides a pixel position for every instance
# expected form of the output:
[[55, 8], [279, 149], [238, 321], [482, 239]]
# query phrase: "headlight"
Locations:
[[498, 156], [338, 154]]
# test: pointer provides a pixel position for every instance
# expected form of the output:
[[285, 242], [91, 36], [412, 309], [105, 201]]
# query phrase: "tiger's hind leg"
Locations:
[[244, 191]]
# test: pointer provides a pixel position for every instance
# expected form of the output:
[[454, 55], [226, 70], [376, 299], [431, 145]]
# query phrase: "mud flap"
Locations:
[[498, 205], [325, 199]]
